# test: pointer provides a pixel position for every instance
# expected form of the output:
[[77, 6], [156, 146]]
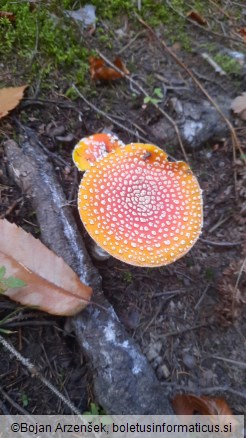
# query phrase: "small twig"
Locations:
[[202, 296], [170, 292], [209, 390], [213, 64], [35, 50], [13, 403], [130, 42], [210, 242], [183, 275], [28, 324], [99, 111], [11, 208], [144, 92], [30, 134], [36, 373], [181, 332], [237, 283], [233, 362], [205, 78], [225, 389], [220, 9], [240, 273], [115, 116], [33, 101], [158, 311], [219, 223]]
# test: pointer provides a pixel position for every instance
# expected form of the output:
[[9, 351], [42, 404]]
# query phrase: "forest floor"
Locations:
[[187, 317]]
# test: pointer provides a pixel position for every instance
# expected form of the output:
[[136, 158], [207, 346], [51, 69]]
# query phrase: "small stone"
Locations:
[[154, 350], [163, 372], [186, 281], [156, 362], [189, 361]]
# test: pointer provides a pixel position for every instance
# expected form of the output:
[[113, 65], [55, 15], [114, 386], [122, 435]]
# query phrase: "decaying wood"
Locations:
[[124, 382]]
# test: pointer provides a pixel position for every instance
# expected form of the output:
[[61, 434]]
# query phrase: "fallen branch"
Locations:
[[124, 382]]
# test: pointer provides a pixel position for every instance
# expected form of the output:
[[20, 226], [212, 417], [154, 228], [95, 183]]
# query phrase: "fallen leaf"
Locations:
[[216, 408], [238, 105], [9, 98], [121, 66], [195, 16], [9, 15], [242, 32], [100, 71], [189, 404], [51, 285]]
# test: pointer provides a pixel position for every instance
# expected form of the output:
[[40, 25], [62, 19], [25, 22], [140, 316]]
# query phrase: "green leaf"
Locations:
[[94, 409], [147, 99], [2, 272], [12, 282], [24, 399], [158, 93], [155, 101]]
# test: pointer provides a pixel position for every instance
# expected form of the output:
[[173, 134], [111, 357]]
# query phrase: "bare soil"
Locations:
[[187, 317]]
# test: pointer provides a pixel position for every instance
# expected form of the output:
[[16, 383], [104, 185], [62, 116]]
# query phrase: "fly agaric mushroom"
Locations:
[[93, 148], [141, 208]]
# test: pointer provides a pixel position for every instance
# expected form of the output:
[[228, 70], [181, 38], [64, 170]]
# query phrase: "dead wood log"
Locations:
[[124, 382]]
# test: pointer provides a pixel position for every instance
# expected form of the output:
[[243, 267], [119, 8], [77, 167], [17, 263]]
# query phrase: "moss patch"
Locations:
[[40, 42], [228, 64]]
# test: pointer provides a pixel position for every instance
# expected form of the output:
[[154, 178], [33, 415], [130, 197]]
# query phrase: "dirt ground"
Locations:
[[187, 317]]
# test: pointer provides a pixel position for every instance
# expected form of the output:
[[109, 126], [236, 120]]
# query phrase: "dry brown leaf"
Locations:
[[51, 285], [238, 105], [9, 15], [189, 404], [9, 98], [100, 71], [242, 32], [195, 16], [217, 408]]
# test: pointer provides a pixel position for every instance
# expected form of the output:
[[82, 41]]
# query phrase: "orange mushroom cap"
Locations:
[[141, 208], [93, 148]]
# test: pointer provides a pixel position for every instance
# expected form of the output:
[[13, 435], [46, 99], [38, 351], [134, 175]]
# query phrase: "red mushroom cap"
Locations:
[[139, 207], [93, 148]]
